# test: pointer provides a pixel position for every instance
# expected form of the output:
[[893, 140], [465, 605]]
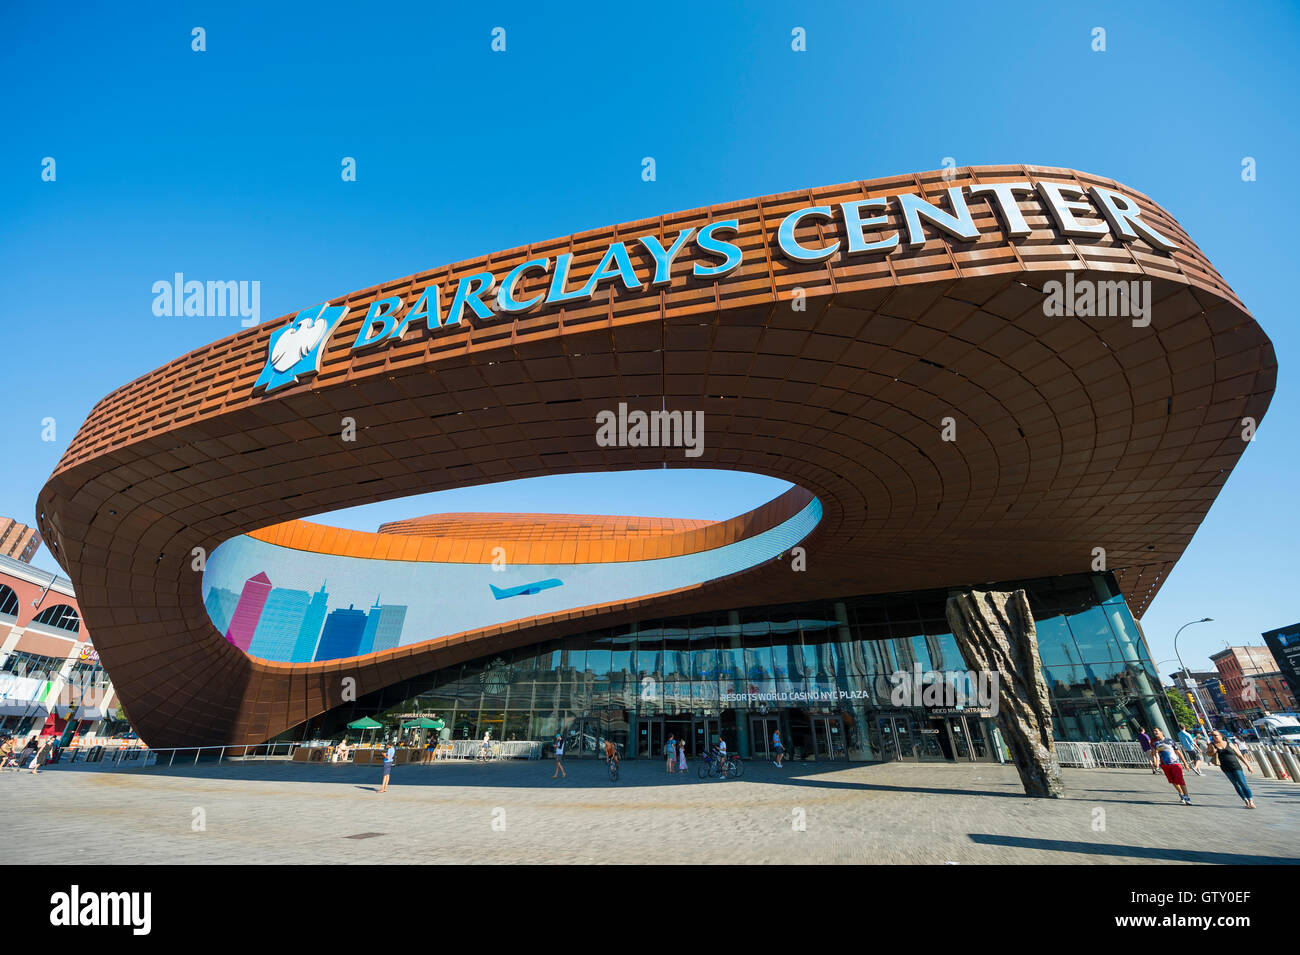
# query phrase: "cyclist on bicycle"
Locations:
[[722, 758], [611, 752]]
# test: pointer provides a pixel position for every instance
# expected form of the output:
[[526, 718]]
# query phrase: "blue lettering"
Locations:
[[664, 259], [385, 320], [426, 310], [561, 276], [468, 292], [506, 300], [730, 252], [790, 245]]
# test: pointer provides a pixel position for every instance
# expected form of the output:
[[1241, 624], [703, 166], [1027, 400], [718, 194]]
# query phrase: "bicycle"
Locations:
[[613, 768], [712, 766], [705, 767]]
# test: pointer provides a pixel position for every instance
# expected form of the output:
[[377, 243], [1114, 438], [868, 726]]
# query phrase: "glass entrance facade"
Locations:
[[817, 672]]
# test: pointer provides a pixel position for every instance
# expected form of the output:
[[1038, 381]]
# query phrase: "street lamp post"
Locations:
[[1203, 716]]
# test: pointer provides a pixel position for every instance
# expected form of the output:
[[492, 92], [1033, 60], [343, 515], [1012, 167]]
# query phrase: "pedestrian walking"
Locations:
[[38, 758], [778, 750], [559, 758], [1235, 764], [681, 755], [25, 756], [1192, 747], [670, 754], [1167, 753], [1145, 742], [389, 755]]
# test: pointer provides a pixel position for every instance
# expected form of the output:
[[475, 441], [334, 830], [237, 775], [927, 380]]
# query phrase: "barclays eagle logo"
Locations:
[[295, 350]]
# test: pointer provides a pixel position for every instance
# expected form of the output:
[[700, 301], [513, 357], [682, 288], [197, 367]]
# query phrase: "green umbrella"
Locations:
[[365, 723], [423, 723]]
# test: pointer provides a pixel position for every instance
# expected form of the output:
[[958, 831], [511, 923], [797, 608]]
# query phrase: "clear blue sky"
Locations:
[[225, 165]]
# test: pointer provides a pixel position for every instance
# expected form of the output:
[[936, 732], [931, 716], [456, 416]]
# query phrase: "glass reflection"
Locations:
[[814, 670]]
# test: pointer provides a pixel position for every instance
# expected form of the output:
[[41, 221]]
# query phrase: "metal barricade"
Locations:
[[136, 757], [1113, 755]]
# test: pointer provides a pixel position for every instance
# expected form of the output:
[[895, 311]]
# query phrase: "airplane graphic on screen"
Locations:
[[501, 593]]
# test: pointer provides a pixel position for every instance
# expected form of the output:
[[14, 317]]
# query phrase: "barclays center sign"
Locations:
[[859, 228]]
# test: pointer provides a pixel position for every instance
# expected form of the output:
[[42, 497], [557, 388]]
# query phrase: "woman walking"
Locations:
[[670, 754], [681, 755], [1235, 764], [559, 758], [39, 757], [28, 751]]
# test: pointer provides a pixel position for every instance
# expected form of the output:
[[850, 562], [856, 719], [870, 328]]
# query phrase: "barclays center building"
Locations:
[[1004, 377]]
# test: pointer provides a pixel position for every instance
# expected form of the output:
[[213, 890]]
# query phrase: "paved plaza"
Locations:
[[514, 812]]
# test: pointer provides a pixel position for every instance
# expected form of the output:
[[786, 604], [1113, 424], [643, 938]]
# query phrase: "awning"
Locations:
[[24, 694], [11, 707], [85, 713]]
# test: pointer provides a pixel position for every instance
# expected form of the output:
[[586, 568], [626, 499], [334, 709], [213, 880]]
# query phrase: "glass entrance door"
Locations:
[[650, 738], [761, 729], [896, 738], [936, 744], [706, 728], [828, 738], [968, 739], [581, 737]]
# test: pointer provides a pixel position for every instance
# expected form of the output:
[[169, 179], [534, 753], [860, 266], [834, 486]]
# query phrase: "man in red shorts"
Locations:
[[1172, 766]]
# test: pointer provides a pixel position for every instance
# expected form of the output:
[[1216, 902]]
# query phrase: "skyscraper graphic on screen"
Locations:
[[277, 630], [243, 624], [304, 647], [221, 604], [342, 634], [383, 627]]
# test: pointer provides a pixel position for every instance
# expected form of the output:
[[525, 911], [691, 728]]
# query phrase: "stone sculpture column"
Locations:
[[995, 633]]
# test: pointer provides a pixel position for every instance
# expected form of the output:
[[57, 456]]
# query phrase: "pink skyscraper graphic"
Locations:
[[248, 611]]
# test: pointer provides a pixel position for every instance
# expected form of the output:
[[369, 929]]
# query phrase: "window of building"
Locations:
[[89, 672], [8, 601], [60, 616], [22, 663], [698, 673]]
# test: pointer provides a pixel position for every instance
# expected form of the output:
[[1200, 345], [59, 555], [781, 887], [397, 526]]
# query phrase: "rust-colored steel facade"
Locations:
[[1072, 434]]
